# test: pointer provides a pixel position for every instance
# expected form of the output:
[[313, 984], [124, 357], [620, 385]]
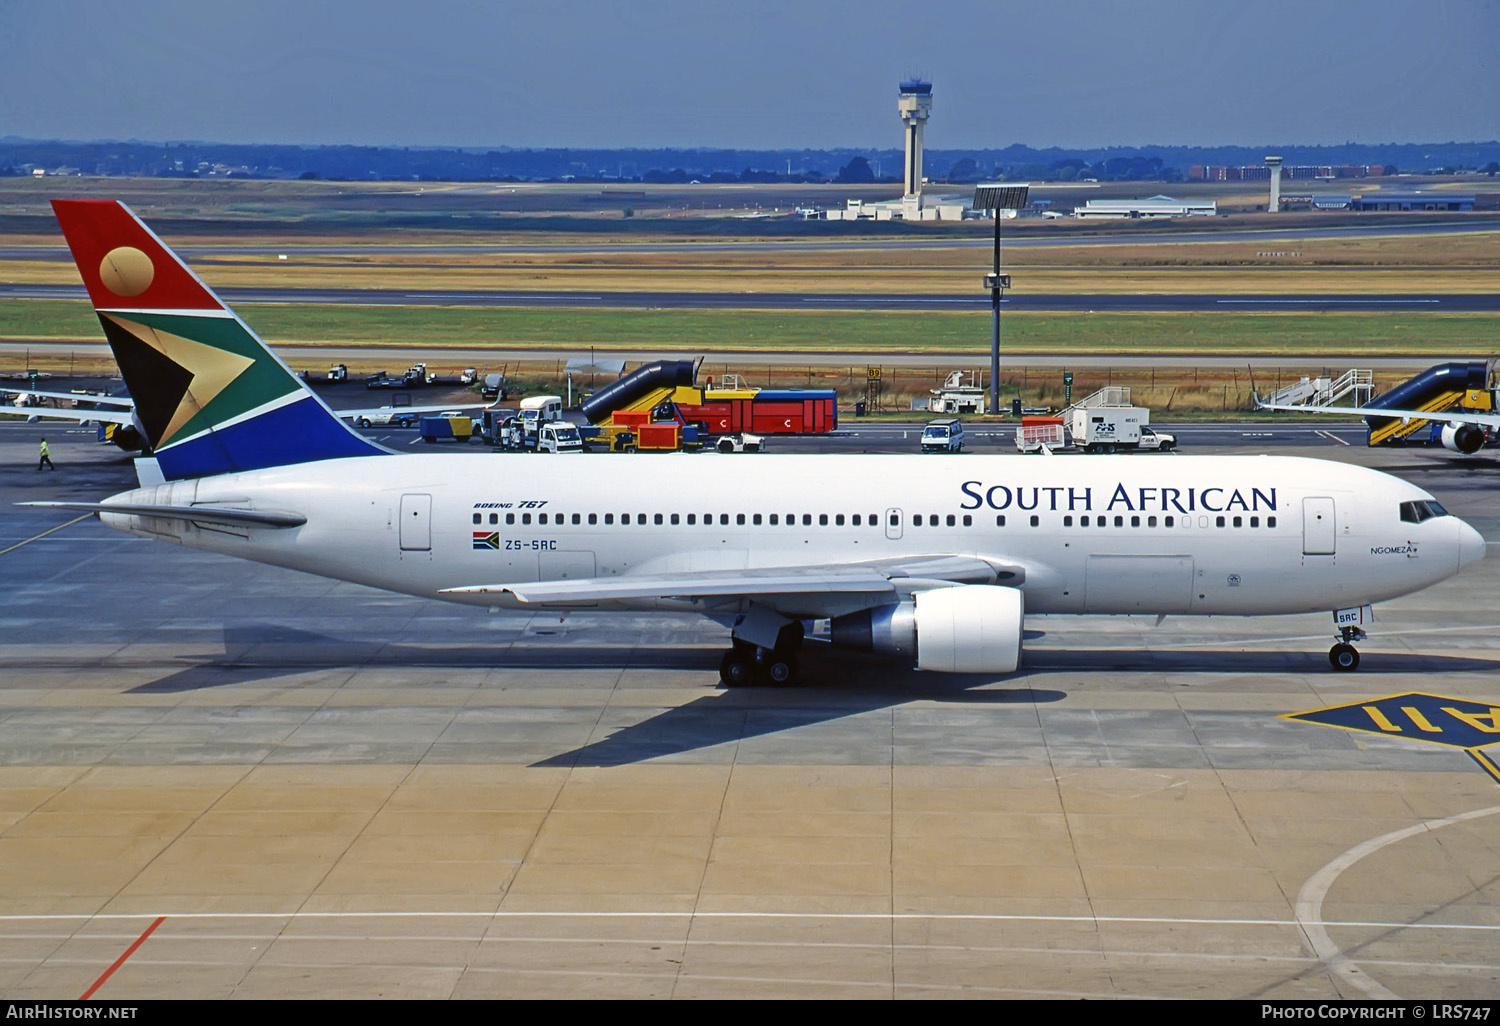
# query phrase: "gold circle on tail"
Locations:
[[126, 271]]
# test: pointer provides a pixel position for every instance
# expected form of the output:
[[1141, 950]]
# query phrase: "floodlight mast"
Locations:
[[996, 197]]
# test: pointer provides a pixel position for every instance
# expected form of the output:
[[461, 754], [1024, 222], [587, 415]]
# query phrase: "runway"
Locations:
[[297, 788]]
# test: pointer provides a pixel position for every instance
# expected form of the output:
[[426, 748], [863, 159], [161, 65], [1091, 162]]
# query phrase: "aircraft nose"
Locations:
[[1470, 545]]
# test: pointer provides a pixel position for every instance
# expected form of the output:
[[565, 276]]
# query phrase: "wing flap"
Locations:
[[877, 579]]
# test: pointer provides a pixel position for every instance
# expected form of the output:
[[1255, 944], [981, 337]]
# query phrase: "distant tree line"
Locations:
[[366, 163]]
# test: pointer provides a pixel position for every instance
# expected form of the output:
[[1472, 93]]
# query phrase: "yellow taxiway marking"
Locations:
[[44, 534]]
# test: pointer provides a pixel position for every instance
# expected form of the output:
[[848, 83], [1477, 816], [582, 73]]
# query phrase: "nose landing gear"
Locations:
[[1344, 657]]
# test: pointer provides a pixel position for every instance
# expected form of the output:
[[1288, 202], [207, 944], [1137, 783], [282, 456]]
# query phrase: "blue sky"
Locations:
[[772, 74]]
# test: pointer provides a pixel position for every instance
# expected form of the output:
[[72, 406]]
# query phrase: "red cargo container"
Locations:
[[778, 412]]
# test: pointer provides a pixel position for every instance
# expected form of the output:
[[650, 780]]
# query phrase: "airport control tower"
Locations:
[[914, 104], [1274, 163]]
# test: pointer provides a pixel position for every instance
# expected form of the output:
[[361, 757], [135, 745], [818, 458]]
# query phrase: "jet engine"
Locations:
[[1465, 438], [972, 628]]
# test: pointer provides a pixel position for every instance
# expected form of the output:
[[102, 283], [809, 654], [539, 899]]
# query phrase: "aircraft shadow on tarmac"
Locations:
[[836, 684]]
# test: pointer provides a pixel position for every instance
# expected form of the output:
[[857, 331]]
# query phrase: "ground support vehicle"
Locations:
[[1040, 433], [744, 441], [456, 427], [945, 435]]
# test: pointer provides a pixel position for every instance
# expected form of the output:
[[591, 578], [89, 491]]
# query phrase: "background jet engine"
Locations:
[[965, 629], [1465, 438]]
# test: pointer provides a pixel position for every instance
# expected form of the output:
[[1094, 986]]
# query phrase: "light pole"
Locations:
[[997, 197]]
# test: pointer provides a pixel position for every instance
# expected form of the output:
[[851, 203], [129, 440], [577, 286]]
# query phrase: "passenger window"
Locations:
[[577, 518], [822, 519], [510, 518], [1239, 522], [1150, 521], [541, 518], [1255, 521], [593, 518], [774, 520], [1035, 520], [1135, 521], [640, 518], [1067, 521], [478, 517], [952, 520], [739, 519], [1083, 521], [855, 520], [1218, 521], [609, 518], [807, 520], [916, 520], [1167, 521], [1000, 520], [657, 519], [1119, 521], [838, 520], [692, 519], [723, 519], [968, 521], [1270, 521]]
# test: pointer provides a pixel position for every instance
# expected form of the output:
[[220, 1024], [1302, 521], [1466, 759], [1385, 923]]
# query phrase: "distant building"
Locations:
[[1257, 172], [1413, 201], [1155, 207]]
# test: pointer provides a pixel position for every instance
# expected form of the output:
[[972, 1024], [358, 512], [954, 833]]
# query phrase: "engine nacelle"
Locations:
[[1465, 438], [966, 629]]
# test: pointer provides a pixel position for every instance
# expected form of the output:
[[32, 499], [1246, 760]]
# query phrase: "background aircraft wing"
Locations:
[[75, 416], [385, 411], [83, 397], [1442, 417]]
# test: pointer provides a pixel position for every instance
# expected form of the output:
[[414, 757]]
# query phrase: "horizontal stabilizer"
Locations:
[[200, 514]]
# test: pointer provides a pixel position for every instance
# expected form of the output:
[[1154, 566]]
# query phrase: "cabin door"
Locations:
[[1319, 532], [416, 523]]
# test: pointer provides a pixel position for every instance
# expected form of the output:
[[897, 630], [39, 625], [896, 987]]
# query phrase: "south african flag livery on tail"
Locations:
[[212, 398]]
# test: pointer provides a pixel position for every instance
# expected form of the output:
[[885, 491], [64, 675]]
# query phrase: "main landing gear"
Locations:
[[1344, 657], [747, 663]]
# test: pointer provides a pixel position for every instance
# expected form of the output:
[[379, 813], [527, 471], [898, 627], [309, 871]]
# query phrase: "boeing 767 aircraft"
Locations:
[[933, 562]]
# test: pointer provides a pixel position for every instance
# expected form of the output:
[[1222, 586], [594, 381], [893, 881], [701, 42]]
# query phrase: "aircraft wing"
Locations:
[[794, 590], [76, 416], [386, 411], [107, 400], [1443, 417]]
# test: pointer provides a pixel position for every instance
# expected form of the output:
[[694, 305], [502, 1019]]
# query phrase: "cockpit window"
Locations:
[[1420, 510]]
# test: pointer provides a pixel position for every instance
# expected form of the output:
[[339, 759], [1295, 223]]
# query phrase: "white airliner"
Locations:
[[931, 561]]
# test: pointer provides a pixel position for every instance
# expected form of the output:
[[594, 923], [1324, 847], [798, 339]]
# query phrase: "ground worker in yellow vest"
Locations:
[[46, 457]]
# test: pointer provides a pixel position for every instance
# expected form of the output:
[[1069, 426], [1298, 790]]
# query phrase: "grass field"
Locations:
[[1315, 336]]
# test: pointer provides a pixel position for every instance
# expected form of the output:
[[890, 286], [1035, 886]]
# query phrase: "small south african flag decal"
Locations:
[[486, 539]]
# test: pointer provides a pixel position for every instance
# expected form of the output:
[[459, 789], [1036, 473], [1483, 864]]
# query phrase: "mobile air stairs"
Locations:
[[1358, 386]]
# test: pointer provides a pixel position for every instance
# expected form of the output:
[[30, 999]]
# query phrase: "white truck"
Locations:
[[1114, 429], [537, 410]]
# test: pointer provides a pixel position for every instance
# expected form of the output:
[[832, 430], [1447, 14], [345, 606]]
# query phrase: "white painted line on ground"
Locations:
[[1309, 907], [1331, 436]]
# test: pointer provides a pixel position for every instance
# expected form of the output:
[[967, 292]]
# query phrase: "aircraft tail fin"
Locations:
[[212, 397]]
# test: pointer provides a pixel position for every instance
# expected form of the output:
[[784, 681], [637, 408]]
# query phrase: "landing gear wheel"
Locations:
[[1344, 658], [737, 668], [780, 669]]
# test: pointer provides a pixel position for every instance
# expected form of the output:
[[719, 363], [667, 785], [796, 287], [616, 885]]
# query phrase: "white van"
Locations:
[[943, 436]]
